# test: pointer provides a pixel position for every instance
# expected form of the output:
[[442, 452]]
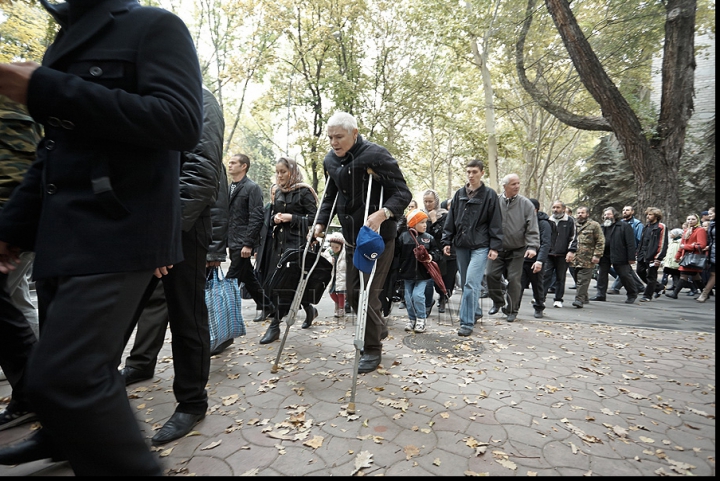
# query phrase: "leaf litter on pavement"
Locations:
[[399, 386]]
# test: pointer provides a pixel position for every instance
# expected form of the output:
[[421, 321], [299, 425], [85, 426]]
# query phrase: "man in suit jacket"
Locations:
[[119, 94]]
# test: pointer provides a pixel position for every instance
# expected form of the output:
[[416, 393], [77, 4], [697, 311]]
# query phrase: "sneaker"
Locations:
[[644, 299], [410, 326], [557, 304], [538, 314], [11, 417], [420, 325], [577, 304], [340, 312]]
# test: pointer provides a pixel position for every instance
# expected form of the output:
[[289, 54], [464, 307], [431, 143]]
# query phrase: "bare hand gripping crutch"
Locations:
[[289, 319], [364, 298]]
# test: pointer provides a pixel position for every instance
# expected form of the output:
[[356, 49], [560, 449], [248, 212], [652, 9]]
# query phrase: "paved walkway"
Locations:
[[607, 390]]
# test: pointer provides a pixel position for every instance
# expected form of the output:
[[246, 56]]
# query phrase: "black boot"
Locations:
[[310, 314], [273, 331], [677, 287]]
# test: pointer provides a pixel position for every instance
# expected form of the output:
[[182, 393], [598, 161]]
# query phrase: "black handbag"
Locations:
[[284, 280], [693, 260]]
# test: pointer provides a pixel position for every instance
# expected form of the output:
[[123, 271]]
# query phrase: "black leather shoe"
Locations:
[[309, 319], [15, 415], [368, 363], [176, 427], [511, 317], [631, 300], [132, 375], [28, 450], [577, 304], [464, 331], [264, 314], [272, 334], [222, 347], [538, 314], [596, 298], [495, 309]]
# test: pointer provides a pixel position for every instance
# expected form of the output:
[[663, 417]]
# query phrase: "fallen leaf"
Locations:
[[362, 460], [436, 462], [211, 445], [646, 440], [411, 451], [506, 463], [166, 452], [315, 442]]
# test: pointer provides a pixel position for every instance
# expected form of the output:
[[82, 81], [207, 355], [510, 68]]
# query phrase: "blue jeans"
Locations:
[[471, 264], [415, 298]]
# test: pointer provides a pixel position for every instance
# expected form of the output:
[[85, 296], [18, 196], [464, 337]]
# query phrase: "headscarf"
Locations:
[[688, 232], [439, 210], [295, 181]]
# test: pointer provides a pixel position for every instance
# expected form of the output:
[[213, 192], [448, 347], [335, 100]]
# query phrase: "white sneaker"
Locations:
[[420, 325], [409, 326], [557, 304]]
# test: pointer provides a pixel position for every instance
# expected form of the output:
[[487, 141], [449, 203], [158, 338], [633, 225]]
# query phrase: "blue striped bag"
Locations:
[[224, 305]]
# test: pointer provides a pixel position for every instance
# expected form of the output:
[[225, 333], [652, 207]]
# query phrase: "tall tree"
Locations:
[[653, 153]]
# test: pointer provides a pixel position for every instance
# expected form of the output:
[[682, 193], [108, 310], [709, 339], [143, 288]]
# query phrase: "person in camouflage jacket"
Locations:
[[590, 248], [19, 136]]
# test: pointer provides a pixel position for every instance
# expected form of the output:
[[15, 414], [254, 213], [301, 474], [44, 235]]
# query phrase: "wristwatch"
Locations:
[[388, 213]]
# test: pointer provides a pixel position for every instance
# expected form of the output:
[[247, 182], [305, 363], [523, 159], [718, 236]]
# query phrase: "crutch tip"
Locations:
[[351, 408], [274, 369]]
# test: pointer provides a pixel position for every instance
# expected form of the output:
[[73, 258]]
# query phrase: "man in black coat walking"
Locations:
[[620, 252], [119, 94]]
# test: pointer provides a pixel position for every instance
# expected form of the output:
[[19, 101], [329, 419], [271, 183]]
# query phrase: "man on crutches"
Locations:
[[348, 167]]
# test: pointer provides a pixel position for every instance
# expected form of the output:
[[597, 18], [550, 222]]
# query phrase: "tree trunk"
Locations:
[[655, 165]]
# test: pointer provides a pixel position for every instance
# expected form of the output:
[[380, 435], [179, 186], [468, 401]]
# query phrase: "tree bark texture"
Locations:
[[655, 163]]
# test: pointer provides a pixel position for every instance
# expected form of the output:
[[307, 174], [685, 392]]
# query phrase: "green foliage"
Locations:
[[26, 32]]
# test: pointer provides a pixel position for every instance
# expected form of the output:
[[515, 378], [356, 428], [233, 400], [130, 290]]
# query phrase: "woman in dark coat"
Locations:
[[293, 213]]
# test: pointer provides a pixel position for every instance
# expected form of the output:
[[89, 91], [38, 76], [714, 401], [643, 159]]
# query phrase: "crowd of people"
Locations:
[[115, 196]]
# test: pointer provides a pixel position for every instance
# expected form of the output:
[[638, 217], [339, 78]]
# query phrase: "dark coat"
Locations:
[[103, 194], [545, 229], [474, 223], [348, 177], [410, 268], [219, 215], [246, 215], [302, 205], [653, 243], [619, 243], [562, 237]]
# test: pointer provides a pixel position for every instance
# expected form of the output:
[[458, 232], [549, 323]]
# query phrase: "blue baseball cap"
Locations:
[[369, 246]]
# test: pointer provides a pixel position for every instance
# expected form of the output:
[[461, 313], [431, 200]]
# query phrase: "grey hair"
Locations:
[[505, 180], [343, 120], [560, 202]]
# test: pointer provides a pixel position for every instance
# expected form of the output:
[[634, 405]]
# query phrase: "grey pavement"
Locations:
[[606, 390]]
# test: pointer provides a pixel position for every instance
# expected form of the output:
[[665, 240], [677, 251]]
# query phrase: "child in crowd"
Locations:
[[336, 255], [415, 275], [670, 265]]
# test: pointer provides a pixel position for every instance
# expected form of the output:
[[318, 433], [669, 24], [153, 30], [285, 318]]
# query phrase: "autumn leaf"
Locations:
[[362, 460], [315, 442], [506, 463], [166, 452], [436, 461], [211, 445], [411, 451]]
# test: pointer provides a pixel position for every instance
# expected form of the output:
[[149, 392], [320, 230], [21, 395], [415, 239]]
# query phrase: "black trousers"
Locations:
[[624, 271], [72, 380], [242, 269], [375, 322], [556, 265], [16, 342], [648, 274], [187, 315], [537, 281]]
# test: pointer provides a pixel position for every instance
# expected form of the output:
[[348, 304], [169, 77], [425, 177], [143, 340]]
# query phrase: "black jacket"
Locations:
[[246, 215], [545, 229], [474, 223], [410, 268], [219, 214], [201, 166], [653, 243], [348, 178], [562, 237], [619, 243], [118, 103]]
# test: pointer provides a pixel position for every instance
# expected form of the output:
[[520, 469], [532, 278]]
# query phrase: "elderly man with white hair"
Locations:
[[521, 239]]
